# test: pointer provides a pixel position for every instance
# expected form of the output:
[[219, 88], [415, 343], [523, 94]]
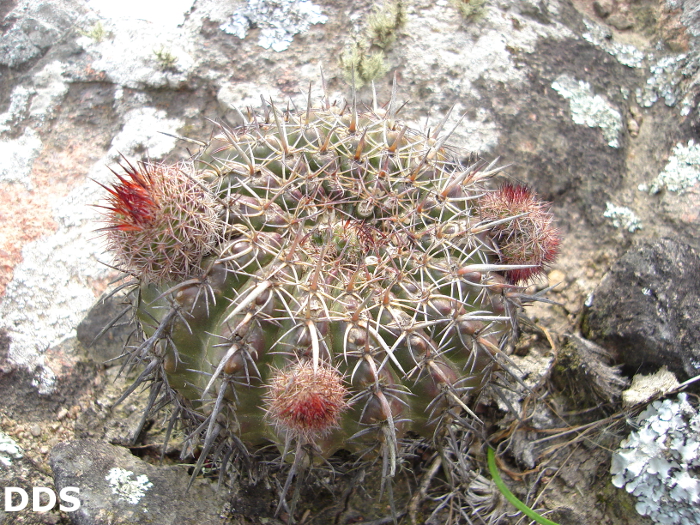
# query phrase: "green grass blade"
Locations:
[[510, 496]]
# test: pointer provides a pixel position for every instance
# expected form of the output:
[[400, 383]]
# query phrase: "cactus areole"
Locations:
[[323, 279]]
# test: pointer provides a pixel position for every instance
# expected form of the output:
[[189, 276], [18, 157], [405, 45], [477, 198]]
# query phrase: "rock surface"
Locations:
[[647, 308], [115, 487]]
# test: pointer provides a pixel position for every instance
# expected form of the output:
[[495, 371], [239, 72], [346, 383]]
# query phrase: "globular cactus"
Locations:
[[324, 279]]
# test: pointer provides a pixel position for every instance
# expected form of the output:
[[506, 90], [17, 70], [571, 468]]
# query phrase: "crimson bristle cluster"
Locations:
[[306, 402], [527, 236], [131, 202]]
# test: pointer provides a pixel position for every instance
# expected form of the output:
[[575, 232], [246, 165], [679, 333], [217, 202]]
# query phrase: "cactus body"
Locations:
[[353, 290]]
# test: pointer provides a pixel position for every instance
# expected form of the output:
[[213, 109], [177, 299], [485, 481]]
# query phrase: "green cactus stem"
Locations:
[[322, 279]]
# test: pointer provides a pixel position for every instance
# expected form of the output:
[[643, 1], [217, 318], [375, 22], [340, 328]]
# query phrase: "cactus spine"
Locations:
[[334, 279]]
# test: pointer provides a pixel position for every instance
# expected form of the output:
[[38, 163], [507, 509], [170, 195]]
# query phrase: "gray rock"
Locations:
[[620, 21], [21, 390], [34, 26], [603, 8], [690, 14], [41, 34], [103, 348], [647, 308], [116, 487], [16, 48]]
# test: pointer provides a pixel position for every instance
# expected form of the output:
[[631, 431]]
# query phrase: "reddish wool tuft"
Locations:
[[529, 239], [306, 403], [132, 202]]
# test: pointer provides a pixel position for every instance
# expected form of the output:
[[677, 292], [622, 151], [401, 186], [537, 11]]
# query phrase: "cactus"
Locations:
[[323, 279]]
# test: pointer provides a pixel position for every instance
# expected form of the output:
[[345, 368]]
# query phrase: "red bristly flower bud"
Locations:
[[305, 402], [529, 237]]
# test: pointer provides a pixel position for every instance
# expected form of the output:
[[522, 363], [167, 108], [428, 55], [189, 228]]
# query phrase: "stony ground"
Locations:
[[593, 104]]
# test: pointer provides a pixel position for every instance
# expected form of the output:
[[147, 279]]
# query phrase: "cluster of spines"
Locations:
[[527, 235], [161, 221], [355, 273]]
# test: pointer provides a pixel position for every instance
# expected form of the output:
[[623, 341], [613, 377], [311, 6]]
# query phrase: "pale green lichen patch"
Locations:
[[681, 172], [658, 463], [601, 36], [17, 156], [19, 102], [622, 217], [127, 487], [589, 109], [277, 20], [666, 82], [666, 74], [9, 450]]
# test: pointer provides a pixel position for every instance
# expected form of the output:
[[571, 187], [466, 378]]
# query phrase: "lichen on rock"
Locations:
[[658, 462], [277, 20], [590, 109], [681, 172], [622, 217]]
